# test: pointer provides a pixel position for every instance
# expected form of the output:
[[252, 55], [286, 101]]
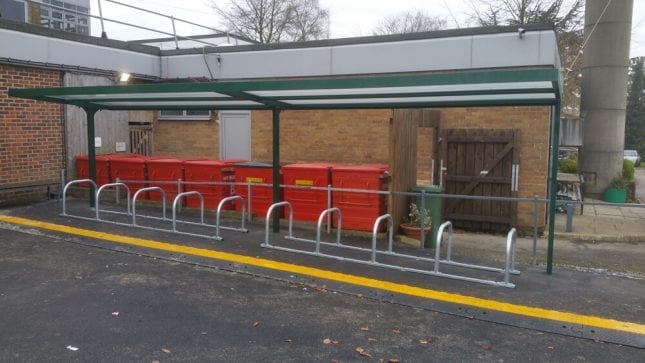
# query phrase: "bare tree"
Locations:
[[566, 16], [309, 21], [271, 21], [409, 22]]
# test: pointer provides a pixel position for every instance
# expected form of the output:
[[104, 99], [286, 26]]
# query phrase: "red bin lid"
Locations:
[[164, 161], [253, 164], [205, 162], [127, 159], [319, 166], [102, 157], [366, 168]]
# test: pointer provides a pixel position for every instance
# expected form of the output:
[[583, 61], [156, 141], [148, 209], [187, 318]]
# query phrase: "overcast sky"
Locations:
[[348, 17]]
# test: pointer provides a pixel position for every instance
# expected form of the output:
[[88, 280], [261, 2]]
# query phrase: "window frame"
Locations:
[[72, 17], [185, 117]]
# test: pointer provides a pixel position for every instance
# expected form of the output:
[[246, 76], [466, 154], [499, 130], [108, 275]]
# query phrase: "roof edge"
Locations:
[[198, 37], [75, 37], [448, 33]]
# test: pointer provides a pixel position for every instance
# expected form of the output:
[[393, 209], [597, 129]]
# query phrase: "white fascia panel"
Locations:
[[254, 64], [151, 96], [502, 86], [43, 49], [430, 99], [509, 50], [464, 52], [407, 56], [205, 104]]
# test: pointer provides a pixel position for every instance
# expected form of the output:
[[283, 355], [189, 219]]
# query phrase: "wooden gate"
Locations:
[[480, 163], [141, 139]]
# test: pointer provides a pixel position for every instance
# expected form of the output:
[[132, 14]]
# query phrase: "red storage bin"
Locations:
[[208, 171], [307, 204], [167, 170], [233, 162], [261, 196], [131, 170], [102, 169], [360, 210]]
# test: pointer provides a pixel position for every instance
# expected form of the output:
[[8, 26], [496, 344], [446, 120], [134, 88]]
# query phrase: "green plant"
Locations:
[[618, 182], [628, 170], [415, 215], [568, 166]]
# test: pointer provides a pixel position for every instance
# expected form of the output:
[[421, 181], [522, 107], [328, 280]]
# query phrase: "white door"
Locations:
[[235, 135]]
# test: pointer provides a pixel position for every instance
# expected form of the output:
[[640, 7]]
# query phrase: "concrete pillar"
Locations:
[[604, 91]]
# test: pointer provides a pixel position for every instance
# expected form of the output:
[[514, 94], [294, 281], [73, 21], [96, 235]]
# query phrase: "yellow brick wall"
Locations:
[[339, 136], [186, 138], [362, 136], [533, 123]]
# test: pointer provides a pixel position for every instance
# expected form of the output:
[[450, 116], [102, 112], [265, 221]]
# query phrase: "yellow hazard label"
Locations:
[[250, 179], [304, 182]]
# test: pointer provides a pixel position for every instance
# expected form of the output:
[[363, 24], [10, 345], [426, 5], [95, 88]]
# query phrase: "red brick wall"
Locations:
[[31, 137]]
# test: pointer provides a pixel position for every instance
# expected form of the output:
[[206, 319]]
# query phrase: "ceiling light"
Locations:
[[124, 77]]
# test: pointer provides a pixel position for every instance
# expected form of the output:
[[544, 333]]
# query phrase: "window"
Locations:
[[185, 115], [13, 10], [65, 16]]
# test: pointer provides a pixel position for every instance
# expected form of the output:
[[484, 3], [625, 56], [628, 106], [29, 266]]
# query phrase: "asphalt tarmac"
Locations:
[[68, 298]]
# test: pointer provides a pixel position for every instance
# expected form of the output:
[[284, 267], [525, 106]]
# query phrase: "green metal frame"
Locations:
[[344, 89], [243, 91]]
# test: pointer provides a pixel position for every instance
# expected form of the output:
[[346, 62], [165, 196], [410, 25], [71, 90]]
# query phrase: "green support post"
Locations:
[[553, 187], [91, 151], [276, 166]]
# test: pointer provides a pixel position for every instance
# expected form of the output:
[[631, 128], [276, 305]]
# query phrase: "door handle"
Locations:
[[441, 170], [515, 176]]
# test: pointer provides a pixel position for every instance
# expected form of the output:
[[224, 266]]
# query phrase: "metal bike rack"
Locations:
[[132, 209], [110, 185], [339, 220], [329, 212], [509, 260], [267, 242], [510, 254], [219, 210], [507, 270], [175, 203], [72, 182], [377, 223], [136, 197]]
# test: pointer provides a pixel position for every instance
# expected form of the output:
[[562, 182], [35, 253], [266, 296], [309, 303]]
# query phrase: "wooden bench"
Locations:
[[51, 186]]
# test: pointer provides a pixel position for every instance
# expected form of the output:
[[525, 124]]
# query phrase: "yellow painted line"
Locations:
[[533, 312]]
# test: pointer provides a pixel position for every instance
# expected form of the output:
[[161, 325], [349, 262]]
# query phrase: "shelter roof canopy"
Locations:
[[488, 87]]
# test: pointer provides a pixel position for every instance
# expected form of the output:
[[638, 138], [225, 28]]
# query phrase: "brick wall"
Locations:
[[339, 136], [31, 140], [186, 138], [362, 136], [425, 154], [533, 123]]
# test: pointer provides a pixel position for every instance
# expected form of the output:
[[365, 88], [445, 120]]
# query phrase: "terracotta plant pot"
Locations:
[[413, 231]]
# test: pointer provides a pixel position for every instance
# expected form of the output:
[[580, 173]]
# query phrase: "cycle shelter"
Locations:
[[522, 85]]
